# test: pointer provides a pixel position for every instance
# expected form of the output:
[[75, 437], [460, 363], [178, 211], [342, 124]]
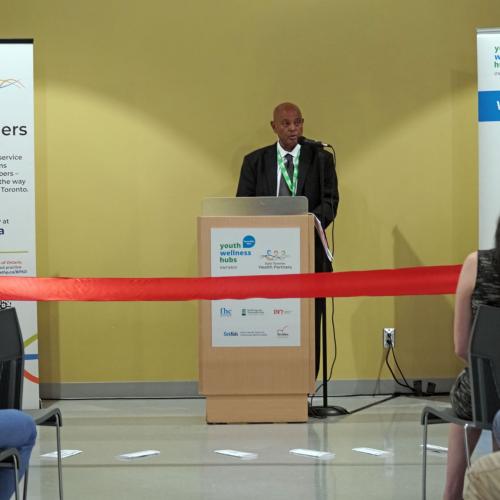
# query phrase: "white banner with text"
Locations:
[[17, 193]]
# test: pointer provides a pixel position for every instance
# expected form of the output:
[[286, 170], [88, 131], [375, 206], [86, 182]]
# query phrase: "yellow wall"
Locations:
[[145, 108]]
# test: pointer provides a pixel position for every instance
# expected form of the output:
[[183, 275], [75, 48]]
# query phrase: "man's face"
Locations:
[[287, 124]]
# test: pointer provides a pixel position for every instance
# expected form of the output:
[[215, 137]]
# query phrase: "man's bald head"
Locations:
[[287, 124], [283, 107]]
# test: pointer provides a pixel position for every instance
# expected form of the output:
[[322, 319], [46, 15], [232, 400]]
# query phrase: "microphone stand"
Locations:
[[325, 410]]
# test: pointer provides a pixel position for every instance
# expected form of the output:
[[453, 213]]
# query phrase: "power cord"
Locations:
[[405, 383]]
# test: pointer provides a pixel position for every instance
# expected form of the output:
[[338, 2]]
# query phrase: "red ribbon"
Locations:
[[430, 280]]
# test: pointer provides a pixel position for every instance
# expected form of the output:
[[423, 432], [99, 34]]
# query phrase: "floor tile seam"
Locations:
[[329, 464]]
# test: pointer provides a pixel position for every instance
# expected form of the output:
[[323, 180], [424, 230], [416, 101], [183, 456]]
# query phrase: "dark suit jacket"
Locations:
[[258, 177]]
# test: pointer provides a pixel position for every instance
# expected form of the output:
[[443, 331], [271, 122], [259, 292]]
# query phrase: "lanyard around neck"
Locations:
[[291, 183]]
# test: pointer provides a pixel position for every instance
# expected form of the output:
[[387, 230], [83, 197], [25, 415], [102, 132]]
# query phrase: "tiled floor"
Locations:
[[188, 468]]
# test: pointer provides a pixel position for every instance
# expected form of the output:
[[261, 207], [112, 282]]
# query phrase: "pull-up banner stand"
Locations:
[[488, 77], [17, 192]]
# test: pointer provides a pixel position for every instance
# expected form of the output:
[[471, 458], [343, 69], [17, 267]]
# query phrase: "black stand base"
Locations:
[[335, 411], [325, 411]]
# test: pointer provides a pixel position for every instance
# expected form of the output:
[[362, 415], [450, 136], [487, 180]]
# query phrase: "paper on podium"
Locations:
[[322, 237]]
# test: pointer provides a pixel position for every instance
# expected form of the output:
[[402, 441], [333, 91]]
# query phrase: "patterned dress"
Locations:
[[486, 292]]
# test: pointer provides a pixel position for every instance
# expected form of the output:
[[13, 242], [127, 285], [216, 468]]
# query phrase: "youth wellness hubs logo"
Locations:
[[229, 253]]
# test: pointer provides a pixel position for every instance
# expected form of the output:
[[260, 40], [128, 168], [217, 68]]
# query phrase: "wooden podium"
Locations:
[[256, 356]]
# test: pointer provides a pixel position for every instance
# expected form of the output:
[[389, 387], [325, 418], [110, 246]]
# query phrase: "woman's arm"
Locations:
[[463, 320]]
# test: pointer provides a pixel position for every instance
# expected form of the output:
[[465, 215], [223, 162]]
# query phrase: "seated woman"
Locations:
[[17, 430], [479, 283]]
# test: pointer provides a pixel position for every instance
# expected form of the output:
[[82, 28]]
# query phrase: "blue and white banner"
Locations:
[[488, 78], [17, 192]]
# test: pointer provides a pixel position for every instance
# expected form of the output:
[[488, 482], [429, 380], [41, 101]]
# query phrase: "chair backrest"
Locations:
[[11, 360], [484, 365]]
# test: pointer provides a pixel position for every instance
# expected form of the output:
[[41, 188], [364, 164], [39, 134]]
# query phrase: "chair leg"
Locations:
[[466, 441], [16, 477], [59, 458], [424, 459], [25, 490]]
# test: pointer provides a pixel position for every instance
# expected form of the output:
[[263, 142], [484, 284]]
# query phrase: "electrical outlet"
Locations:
[[389, 337]]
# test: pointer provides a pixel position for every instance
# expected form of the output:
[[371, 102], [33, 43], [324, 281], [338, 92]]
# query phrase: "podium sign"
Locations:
[[255, 322]]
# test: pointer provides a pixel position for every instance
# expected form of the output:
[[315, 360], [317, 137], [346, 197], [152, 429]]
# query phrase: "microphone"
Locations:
[[311, 142]]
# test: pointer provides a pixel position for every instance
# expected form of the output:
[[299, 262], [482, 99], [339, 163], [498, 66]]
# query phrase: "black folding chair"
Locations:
[[11, 383], [9, 457], [484, 368]]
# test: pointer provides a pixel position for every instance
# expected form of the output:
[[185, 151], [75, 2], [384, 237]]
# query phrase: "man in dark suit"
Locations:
[[288, 168]]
